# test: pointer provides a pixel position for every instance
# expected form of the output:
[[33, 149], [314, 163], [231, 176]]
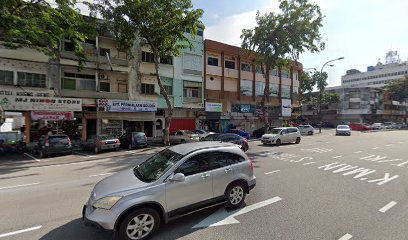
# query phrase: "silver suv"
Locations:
[[170, 184]]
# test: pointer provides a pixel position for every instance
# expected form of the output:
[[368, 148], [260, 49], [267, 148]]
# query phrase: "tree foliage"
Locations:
[[330, 98], [38, 25], [308, 83], [161, 25], [279, 38], [398, 89]]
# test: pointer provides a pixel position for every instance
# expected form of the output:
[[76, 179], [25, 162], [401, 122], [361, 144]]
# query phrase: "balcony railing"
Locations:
[[191, 100]]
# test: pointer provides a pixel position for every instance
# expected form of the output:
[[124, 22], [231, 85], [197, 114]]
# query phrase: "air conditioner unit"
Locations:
[[103, 76]]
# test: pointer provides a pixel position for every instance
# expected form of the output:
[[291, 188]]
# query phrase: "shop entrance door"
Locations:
[[148, 128], [90, 128]]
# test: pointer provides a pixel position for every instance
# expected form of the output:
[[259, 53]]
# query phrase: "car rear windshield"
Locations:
[[188, 132], [343, 127], [58, 139], [154, 167], [138, 134]]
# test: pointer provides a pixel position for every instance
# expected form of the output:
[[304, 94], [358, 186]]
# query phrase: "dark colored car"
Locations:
[[101, 143], [132, 140], [53, 144], [228, 137], [261, 131], [240, 133]]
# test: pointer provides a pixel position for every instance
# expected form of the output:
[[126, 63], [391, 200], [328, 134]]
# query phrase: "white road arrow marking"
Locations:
[[222, 217]]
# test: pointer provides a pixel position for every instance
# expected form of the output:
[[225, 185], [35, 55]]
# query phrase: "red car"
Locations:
[[359, 127]]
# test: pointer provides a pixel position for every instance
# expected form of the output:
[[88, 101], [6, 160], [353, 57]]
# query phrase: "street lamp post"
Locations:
[[319, 110]]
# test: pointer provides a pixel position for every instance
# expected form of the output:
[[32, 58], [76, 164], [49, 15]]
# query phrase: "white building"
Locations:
[[377, 76]]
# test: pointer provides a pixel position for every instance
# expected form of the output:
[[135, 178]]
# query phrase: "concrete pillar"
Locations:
[[84, 129], [27, 130]]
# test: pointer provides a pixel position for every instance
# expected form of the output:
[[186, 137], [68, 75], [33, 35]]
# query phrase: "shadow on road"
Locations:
[[76, 230]]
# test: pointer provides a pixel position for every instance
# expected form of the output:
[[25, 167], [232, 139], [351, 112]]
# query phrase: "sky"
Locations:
[[361, 31]]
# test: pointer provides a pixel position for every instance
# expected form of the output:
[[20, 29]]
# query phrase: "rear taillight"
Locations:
[[189, 137], [252, 164], [47, 143], [117, 141], [69, 141], [102, 142]]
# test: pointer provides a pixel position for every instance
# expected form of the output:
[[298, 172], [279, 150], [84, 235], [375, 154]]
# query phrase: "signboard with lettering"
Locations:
[[52, 116], [26, 103], [213, 107], [108, 105], [286, 108]]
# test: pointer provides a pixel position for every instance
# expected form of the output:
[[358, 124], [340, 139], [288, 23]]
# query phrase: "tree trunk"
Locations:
[[265, 97], [168, 116]]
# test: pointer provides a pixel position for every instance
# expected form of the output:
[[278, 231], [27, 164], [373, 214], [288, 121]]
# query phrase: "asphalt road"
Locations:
[[326, 187]]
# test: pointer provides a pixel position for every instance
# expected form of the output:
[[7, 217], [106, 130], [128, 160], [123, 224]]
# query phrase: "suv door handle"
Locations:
[[228, 170], [205, 175]]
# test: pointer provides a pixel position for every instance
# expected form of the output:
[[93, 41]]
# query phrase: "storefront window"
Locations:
[[111, 127]]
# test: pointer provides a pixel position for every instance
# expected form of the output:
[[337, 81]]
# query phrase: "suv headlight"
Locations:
[[106, 202]]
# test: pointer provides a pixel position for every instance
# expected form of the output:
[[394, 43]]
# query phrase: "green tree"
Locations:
[[160, 24], [38, 25], [279, 38], [307, 85], [398, 89], [330, 98]]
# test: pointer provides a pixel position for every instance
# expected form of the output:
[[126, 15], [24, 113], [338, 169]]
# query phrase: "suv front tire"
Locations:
[[140, 224], [236, 194]]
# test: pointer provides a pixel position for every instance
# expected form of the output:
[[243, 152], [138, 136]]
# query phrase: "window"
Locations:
[[285, 91], [292, 130], [166, 60], [191, 92], [295, 92], [235, 108], [259, 69], [295, 75], [273, 90], [285, 74], [147, 88], [230, 64], [200, 33], [259, 88], [187, 30], [68, 46], [196, 164], [103, 51], [213, 61], [245, 67], [354, 105], [6, 77], [87, 85], [169, 89], [246, 87], [104, 87], [179, 133], [30, 79], [147, 57], [219, 159], [68, 83], [274, 72]]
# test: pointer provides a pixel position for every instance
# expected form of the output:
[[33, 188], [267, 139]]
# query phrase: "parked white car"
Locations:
[[202, 134], [306, 129], [343, 130], [183, 136], [377, 126], [278, 136]]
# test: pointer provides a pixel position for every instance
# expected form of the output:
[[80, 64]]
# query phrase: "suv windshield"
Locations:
[[275, 131], [153, 168]]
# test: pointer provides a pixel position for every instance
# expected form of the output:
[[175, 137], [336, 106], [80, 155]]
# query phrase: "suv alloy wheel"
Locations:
[[139, 224], [236, 195]]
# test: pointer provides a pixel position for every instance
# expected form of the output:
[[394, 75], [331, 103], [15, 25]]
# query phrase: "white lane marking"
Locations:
[[102, 174], [20, 231], [28, 155], [387, 207], [83, 154], [16, 186], [388, 145], [338, 156], [375, 148], [308, 163], [272, 172], [222, 217], [346, 237], [130, 151], [358, 152]]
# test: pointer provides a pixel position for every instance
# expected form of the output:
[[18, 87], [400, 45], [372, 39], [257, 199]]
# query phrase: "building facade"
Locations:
[[234, 86], [377, 76], [358, 105]]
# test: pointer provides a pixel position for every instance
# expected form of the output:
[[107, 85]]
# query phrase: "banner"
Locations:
[[25, 103], [53, 116], [213, 107], [286, 108], [108, 105]]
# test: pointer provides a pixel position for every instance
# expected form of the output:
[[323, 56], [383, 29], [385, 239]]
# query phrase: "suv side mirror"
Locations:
[[178, 177]]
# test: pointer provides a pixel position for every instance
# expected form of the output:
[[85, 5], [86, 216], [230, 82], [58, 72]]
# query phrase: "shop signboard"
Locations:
[[29, 103], [52, 116], [213, 107], [286, 107], [245, 108], [109, 105]]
